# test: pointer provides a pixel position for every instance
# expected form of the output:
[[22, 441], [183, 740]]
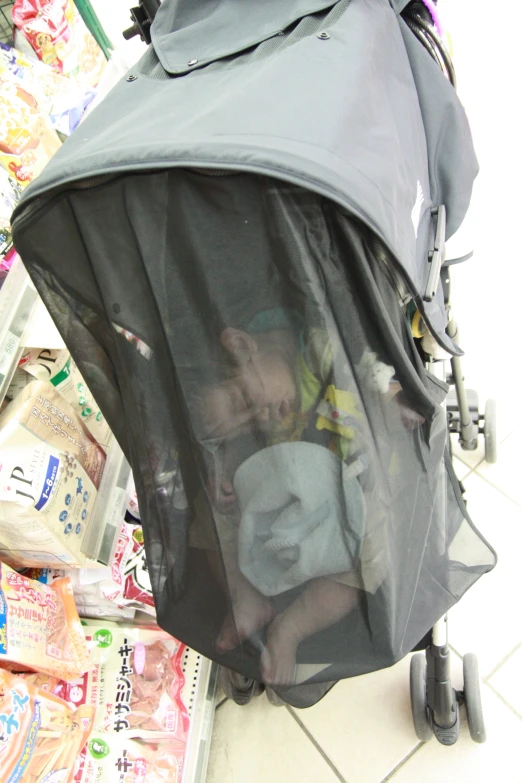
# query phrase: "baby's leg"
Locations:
[[322, 604], [250, 612]]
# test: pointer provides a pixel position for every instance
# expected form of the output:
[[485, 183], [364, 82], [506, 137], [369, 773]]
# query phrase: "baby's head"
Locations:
[[258, 387]]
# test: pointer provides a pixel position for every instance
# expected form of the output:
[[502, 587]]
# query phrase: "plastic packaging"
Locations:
[[50, 472], [58, 367], [62, 99], [60, 38], [136, 681], [41, 736], [130, 585], [108, 758], [27, 137], [39, 627]]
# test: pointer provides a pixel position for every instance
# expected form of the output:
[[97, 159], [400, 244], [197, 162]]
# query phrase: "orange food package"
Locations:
[[39, 627], [40, 735]]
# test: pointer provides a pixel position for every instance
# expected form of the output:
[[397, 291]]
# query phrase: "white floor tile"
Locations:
[[498, 759], [506, 473], [364, 724], [461, 469], [263, 744], [508, 680], [484, 621]]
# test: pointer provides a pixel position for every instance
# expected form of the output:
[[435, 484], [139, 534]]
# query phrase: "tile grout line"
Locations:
[[503, 661], [316, 745], [491, 484], [403, 762], [220, 704], [504, 701]]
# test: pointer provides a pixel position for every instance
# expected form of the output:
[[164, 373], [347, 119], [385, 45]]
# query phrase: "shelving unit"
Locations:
[[18, 299], [6, 21], [199, 694], [24, 322]]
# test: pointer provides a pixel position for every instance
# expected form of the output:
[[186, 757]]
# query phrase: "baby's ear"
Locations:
[[239, 344]]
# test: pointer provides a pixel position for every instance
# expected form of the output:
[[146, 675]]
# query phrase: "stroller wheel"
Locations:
[[421, 722], [490, 430], [472, 698], [273, 698], [237, 687]]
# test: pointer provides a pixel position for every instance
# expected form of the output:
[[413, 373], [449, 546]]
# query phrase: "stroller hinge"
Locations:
[[142, 15], [437, 256]]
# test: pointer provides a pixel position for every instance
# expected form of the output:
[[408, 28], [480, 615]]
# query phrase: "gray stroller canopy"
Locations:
[[228, 245]]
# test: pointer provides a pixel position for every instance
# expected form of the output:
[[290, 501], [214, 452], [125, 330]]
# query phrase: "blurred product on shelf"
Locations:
[[63, 99], [132, 506], [49, 476], [60, 38], [134, 761], [89, 586], [58, 367], [27, 137], [39, 627], [41, 735]]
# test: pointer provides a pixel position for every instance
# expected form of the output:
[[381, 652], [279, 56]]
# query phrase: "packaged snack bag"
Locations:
[[108, 758], [89, 596], [40, 735], [50, 471], [130, 585], [62, 99], [39, 627], [27, 138], [136, 681], [58, 367], [60, 38]]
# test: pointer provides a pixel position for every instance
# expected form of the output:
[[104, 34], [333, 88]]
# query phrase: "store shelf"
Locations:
[[24, 323], [199, 694], [18, 299]]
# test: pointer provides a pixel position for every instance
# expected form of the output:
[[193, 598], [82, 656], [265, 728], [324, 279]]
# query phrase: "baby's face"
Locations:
[[259, 395]]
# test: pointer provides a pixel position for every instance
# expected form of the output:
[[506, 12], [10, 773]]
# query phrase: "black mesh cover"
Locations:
[[253, 356]]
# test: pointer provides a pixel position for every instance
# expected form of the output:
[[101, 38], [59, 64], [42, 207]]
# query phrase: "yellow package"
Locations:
[[40, 735], [50, 472], [39, 627]]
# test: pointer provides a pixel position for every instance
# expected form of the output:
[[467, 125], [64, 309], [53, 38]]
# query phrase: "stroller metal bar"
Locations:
[[468, 430], [439, 634]]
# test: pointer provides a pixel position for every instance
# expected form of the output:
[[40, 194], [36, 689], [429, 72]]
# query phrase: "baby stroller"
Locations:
[[234, 246]]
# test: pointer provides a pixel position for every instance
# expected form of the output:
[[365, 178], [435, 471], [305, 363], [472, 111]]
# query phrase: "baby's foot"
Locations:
[[251, 612], [278, 659]]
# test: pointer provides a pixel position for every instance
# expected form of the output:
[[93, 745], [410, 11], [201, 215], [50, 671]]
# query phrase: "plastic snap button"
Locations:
[[324, 36], [192, 62]]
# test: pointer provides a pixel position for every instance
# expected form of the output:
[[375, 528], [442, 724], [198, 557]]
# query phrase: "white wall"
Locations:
[[114, 16]]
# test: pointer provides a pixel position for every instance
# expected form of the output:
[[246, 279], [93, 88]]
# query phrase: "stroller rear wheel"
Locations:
[[472, 698], [419, 709], [237, 687]]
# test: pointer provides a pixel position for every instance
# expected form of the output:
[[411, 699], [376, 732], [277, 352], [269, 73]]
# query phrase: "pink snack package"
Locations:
[[136, 682]]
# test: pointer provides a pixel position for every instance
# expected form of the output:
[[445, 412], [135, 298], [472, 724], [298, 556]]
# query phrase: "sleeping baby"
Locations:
[[300, 512]]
